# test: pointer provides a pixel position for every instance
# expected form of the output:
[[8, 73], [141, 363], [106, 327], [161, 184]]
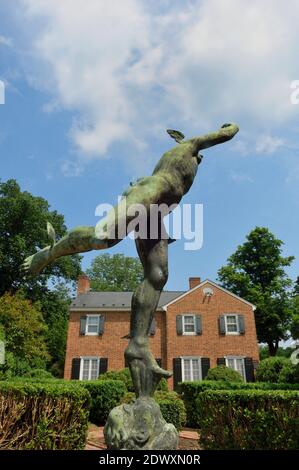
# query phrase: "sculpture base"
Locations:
[[139, 426]]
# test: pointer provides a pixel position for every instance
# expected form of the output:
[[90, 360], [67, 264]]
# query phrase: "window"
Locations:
[[92, 324], [89, 368], [188, 325], [191, 369], [231, 324], [236, 363]]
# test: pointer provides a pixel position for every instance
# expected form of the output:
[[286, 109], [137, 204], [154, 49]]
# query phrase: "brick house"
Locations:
[[192, 331]]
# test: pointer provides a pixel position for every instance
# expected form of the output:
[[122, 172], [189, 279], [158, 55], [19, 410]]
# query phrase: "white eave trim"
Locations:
[[207, 281]]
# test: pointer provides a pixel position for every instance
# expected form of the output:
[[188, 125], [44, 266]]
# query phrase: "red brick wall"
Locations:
[[110, 344], [166, 344], [210, 343]]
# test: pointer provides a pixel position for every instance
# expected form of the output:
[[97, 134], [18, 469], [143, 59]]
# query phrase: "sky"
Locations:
[[92, 85]]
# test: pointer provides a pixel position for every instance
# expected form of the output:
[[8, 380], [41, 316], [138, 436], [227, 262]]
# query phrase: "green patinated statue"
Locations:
[[171, 180]]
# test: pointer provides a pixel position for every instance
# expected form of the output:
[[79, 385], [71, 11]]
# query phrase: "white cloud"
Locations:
[[70, 168], [266, 144], [130, 70], [5, 41], [241, 177]]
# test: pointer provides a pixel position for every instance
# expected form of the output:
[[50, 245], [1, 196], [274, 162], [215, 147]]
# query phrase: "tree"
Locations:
[[24, 331], [256, 272], [23, 219], [115, 273], [295, 306]]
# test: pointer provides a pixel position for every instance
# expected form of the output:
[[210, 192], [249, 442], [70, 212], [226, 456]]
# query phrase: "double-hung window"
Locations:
[[231, 324], [188, 324], [89, 368], [191, 369], [92, 324], [237, 364]]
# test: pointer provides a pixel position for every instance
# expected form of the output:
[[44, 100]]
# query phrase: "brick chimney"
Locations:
[[83, 284], [193, 282]]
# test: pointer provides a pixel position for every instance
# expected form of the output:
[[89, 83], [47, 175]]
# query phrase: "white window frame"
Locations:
[[89, 358], [189, 333], [87, 333], [237, 324], [235, 358], [183, 358]]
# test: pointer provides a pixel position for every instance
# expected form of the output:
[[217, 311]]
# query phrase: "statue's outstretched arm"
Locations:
[[226, 132]]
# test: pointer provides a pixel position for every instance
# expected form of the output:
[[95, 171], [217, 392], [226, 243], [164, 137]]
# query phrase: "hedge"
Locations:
[[171, 405], [105, 395], [223, 373], [125, 376], [190, 390], [248, 419], [269, 369], [43, 416]]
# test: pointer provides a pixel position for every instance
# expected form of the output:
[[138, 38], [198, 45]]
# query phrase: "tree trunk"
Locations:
[[273, 348]]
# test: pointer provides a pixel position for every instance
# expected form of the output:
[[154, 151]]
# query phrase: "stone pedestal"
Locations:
[[139, 426]]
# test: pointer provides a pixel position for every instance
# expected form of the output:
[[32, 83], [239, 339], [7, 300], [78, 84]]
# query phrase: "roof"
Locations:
[[212, 283], [122, 300], [116, 300]]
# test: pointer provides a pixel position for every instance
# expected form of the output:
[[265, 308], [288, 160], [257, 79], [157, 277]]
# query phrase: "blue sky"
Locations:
[[87, 105]]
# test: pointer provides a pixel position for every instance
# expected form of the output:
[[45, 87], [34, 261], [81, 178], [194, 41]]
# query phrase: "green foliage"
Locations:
[[105, 395], [225, 374], [256, 272], [43, 416], [38, 374], [269, 369], [23, 227], [190, 391], [289, 373], [24, 331], [281, 352], [246, 419], [171, 405], [125, 376], [115, 273]]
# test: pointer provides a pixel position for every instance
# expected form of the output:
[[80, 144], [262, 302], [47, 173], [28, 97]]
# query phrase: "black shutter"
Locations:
[[249, 369], [221, 361], [101, 324], [205, 365], [159, 361], [177, 371], [103, 366], [179, 324], [222, 325], [241, 321], [75, 374], [83, 325], [152, 329], [198, 325]]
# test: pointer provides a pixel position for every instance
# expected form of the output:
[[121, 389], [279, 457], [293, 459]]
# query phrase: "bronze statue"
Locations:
[[171, 180]]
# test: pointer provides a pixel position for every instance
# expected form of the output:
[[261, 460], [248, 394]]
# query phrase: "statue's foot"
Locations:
[[35, 263], [142, 353]]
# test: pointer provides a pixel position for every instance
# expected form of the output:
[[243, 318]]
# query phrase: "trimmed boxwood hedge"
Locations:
[[105, 395], [248, 419], [190, 390], [43, 416]]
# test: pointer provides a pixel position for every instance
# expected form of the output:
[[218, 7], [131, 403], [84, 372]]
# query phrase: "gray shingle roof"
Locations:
[[116, 299]]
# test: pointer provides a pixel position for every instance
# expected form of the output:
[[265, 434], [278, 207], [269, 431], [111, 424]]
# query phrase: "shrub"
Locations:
[[268, 369], [246, 419], [289, 373], [125, 376], [224, 373], [43, 416], [105, 395], [171, 405], [39, 374], [190, 391]]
